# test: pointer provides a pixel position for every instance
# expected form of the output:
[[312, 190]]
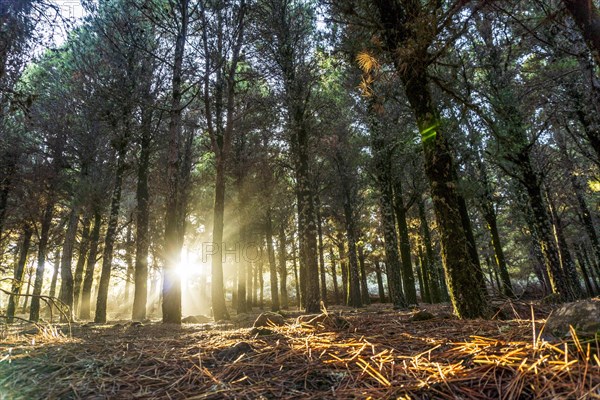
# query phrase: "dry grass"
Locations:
[[381, 355]]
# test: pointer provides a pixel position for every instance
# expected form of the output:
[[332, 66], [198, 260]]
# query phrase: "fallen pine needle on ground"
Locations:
[[381, 353]]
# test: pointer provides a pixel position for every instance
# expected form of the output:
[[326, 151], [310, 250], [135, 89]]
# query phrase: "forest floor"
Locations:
[[374, 352]]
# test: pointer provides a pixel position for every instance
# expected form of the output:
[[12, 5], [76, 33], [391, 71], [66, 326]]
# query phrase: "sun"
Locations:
[[186, 268]]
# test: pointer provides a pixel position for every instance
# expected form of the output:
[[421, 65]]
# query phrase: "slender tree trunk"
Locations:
[[429, 264], [82, 256], [566, 261], [66, 272], [364, 286], [297, 281], [171, 288], [34, 312], [240, 301], [26, 297], [381, 155], [86, 291], [142, 211], [272, 265], [408, 277], [109, 239], [250, 293], [541, 223], [56, 270], [490, 218], [17, 284], [380, 287], [587, 279], [322, 265], [426, 284], [354, 297], [283, 267], [261, 282], [129, 262], [344, 269], [334, 276]]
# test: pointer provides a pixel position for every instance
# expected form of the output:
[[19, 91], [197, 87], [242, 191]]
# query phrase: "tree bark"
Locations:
[[408, 277], [86, 291], [463, 272], [34, 312], [81, 258], [19, 275], [428, 263], [364, 286], [283, 267], [322, 265], [336, 291], [381, 157], [171, 288], [275, 306], [109, 239], [380, 287], [66, 272]]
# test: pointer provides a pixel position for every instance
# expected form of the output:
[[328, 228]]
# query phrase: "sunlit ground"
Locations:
[[380, 354]]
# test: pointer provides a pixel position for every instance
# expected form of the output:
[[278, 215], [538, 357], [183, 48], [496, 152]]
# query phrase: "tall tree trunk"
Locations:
[[240, 302], [283, 267], [109, 239], [55, 271], [171, 288], [66, 272], [408, 277], [272, 265], [380, 287], [250, 293], [566, 260], [86, 290], [322, 265], [381, 156], [587, 279], [17, 284], [425, 277], [490, 218], [26, 297], [344, 269], [82, 256], [142, 236], [354, 297], [129, 263], [261, 281], [295, 266], [541, 224], [364, 286], [429, 264], [463, 271], [336, 291], [34, 312]]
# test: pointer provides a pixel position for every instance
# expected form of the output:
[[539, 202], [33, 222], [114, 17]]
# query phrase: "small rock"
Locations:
[[422, 315], [269, 319], [195, 319], [234, 352], [584, 316]]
